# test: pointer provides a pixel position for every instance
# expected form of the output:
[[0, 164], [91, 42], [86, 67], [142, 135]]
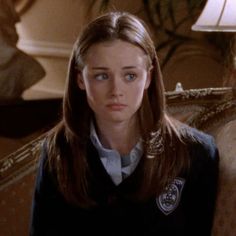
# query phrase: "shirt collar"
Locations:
[[112, 161], [137, 150]]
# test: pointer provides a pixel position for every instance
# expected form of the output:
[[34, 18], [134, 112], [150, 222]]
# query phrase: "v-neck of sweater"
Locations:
[[118, 167]]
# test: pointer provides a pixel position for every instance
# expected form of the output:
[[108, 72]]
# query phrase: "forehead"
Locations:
[[116, 52]]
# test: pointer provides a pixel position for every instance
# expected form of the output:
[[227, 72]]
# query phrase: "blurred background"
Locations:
[[36, 39]]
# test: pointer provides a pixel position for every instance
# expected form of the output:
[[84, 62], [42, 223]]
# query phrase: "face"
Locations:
[[114, 77]]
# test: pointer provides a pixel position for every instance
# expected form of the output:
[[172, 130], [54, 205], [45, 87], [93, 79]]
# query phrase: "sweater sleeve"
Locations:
[[202, 187]]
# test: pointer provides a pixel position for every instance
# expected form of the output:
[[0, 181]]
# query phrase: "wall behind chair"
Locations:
[[47, 31], [49, 28]]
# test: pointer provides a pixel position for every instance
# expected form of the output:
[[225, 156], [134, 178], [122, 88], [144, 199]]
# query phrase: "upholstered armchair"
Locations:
[[212, 110]]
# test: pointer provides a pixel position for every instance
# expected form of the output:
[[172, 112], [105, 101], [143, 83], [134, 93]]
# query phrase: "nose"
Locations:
[[116, 87]]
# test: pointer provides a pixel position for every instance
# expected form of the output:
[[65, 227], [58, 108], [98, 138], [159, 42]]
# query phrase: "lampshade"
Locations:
[[217, 15]]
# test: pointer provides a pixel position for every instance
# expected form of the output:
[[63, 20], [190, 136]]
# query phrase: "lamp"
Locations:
[[220, 16], [217, 15]]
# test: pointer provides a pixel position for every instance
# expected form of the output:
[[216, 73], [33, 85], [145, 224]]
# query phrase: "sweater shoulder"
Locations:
[[200, 143]]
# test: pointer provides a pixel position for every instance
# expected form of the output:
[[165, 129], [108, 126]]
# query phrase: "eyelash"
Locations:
[[104, 76], [134, 76], [100, 77]]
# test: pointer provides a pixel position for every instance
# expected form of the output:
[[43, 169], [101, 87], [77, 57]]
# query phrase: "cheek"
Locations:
[[142, 86], [147, 83], [148, 79], [138, 92], [93, 93]]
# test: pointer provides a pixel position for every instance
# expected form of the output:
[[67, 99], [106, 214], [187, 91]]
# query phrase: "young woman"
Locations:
[[117, 164]]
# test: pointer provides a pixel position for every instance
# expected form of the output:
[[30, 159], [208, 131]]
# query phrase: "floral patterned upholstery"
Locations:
[[211, 110]]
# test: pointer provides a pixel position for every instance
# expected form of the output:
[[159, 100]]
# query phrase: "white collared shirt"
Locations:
[[117, 166]]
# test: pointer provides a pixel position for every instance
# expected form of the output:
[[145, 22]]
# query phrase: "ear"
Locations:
[[149, 78], [80, 81]]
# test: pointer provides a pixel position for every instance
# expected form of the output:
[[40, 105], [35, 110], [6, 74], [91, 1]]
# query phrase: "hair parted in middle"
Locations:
[[111, 27], [74, 129]]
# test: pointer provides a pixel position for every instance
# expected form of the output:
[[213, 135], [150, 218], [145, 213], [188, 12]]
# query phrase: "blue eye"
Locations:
[[130, 77], [101, 77]]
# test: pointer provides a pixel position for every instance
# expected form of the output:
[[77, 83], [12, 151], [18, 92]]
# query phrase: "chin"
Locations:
[[118, 119]]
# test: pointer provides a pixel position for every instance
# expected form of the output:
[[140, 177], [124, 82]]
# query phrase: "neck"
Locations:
[[121, 136]]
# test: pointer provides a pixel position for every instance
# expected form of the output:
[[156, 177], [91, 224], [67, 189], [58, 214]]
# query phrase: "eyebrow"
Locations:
[[100, 68], [105, 68], [129, 67]]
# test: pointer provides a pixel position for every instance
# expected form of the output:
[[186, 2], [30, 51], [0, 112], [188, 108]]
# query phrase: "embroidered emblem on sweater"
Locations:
[[168, 201]]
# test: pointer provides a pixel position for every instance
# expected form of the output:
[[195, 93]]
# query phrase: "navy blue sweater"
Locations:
[[185, 208]]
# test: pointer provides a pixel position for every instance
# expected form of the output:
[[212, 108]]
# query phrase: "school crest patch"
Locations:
[[168, 201]]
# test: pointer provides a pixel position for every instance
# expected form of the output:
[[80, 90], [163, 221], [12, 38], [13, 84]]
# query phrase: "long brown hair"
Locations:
[[68, 141]]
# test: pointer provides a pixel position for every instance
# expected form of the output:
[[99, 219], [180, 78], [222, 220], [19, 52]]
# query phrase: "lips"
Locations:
[[116, 106]]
